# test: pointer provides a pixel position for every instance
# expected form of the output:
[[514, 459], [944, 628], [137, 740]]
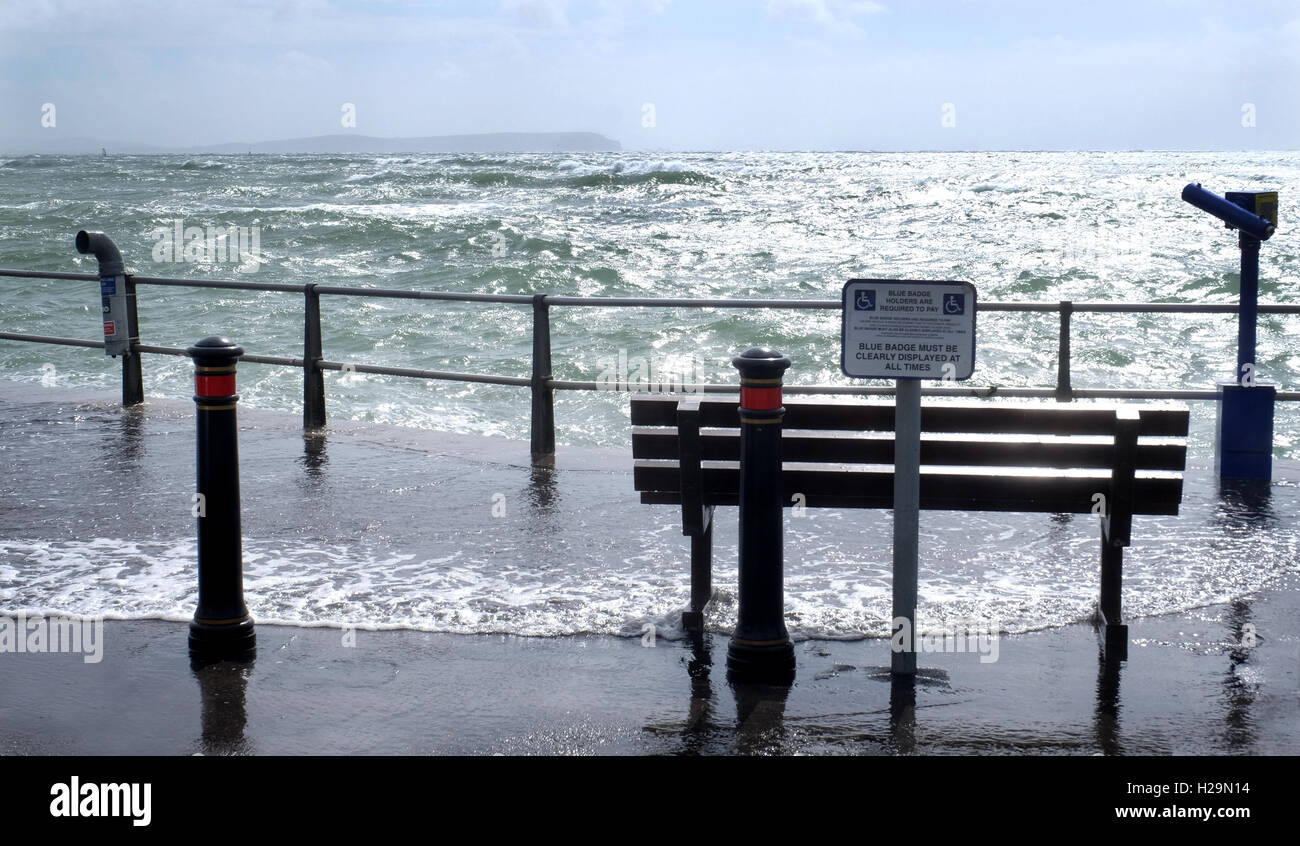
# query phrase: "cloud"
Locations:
[[804, 11], [449, 70], [297, 65], [864, 7], [539, 14], [827, 13]]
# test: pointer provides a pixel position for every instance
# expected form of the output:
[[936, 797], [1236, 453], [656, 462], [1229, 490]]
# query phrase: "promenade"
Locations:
[[1219, 679]]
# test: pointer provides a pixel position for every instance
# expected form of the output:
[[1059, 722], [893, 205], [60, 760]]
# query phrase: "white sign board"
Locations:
[[902, 329]]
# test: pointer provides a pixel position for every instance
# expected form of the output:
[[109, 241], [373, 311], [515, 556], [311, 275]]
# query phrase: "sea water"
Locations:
[[1021, 226]]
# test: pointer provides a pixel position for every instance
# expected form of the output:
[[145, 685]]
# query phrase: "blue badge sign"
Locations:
[[904, 329]]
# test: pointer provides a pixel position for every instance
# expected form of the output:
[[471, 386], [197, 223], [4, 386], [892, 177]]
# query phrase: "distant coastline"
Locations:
[[495, 142]]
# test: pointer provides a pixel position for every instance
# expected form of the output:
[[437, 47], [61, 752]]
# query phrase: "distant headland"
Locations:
[[495, 142]]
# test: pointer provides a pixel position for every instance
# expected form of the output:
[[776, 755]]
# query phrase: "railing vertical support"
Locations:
[[543, 412], [1064, 392], [132, 366], [313, 379]]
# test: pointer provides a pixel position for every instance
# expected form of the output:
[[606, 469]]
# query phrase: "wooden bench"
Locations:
[[975, 456]]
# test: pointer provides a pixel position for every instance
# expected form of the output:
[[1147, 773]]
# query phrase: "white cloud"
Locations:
[[297, 65], [832, 17], [540, 14], [809, 11], [823, 12], [864, 7], [449, 70]]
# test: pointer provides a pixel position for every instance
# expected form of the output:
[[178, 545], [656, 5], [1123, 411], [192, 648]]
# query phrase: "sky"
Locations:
[[671, 75]]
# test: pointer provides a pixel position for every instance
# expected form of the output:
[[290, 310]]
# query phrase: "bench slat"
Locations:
[[1049, 491], [970, 417], [850, 448]]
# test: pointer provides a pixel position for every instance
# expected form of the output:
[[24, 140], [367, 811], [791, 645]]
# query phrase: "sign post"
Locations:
[[907, 331]]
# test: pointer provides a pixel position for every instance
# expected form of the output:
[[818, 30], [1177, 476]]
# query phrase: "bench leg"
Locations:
[[701, 579], [1112, 582]]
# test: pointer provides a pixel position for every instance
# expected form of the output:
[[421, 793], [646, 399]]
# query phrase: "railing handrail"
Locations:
[[640, 302], [684, 388], [542, 383], [691, 388]]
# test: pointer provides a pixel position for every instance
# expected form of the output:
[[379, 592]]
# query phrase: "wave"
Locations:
[[624, 168], [507, 173], [496, 177], [561, 248], [476, 161], [394, 178], [986, 187], [208, 165], [36, 161], [655, 172]]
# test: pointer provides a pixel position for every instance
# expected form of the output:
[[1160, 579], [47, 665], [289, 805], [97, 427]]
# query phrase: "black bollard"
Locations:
[[222, 626], [760, 650]]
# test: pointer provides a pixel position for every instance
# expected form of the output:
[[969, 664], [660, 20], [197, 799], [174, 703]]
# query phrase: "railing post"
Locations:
[[1064, 392], [313, 379], [132, 369], [222, 625], [543, 411]]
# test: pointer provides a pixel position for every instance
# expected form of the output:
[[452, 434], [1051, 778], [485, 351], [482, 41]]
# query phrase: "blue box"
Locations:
[[1243, 431], [1262, 203]]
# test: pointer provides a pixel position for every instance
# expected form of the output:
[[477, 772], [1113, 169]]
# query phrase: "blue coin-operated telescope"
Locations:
[[1244, 431], [1253, 212]]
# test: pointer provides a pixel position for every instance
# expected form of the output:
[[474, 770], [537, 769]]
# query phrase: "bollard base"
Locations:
[[224, 640], [769, 663]]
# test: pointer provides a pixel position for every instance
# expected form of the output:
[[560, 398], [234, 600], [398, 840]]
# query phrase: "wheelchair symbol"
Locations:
[[954, 303], [866, 300]]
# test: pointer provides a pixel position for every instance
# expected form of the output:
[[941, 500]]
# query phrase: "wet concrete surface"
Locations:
[[1220, 679]]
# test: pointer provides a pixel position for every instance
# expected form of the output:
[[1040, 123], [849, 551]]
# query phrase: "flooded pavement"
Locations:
[[436, 593]]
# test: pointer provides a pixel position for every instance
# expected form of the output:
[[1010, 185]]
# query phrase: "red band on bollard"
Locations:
[[760, 399], [214, 386]]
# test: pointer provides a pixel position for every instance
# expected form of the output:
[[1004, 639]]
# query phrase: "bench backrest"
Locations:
[[974, 455]]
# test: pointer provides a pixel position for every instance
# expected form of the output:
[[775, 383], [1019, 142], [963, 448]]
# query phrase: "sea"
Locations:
[[1020, 226]]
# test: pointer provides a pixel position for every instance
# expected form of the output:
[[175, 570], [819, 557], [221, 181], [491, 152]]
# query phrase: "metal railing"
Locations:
[[542, 383]]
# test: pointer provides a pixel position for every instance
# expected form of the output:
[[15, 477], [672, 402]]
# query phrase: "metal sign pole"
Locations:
[[907, 330], [907, 525]]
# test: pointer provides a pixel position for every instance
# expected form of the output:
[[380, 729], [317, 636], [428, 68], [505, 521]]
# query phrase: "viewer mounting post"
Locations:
[[1243, 446], [121, 322], [222, 626]]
